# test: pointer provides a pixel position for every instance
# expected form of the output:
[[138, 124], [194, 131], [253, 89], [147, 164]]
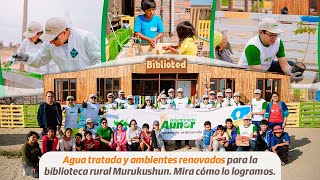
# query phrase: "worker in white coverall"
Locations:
[[31, 44], [71, 49]]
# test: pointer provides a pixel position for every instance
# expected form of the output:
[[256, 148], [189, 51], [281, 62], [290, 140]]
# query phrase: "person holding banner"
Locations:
[[121, 100], [212, 98], [220, 102], [110, 104], [205, 104], [148, 104], [204, 142], [181, 102], [258, 106], [236, 99], [130, 104], [228, 99], [163, 104], [92, 109], [105, 135], [248, 133], [133, 136]]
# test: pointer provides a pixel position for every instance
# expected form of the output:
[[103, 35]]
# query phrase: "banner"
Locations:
[[187, 124]]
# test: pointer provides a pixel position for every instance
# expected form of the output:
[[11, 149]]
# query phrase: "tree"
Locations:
[[301, 29]]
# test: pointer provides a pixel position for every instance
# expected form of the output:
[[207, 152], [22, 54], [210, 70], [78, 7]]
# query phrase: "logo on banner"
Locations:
[[177, 123], [239, 112]]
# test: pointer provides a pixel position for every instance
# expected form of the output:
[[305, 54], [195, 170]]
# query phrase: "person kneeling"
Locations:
[[220, 140], [280, 144]]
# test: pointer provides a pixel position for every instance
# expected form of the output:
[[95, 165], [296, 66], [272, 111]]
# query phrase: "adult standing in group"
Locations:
[[228, 99], [236, 99], [212, 98], [92, 109], [258, 108], [49, 114], [71, 49], [260, 51], [121, 100], [170, 98], [277, 112], [181, 102]]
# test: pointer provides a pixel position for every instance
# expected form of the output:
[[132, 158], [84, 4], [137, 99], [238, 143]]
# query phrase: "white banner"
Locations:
[[185, 124]]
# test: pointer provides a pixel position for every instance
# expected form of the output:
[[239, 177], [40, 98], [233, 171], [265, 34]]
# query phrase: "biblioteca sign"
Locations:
[[163, 65]]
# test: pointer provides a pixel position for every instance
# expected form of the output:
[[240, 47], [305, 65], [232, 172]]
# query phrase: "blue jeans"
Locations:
[[28, 170], [201, 146], [251, 147], [275, 66], [271, 125]]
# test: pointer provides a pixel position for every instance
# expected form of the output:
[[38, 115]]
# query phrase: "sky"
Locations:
[[84, 14]]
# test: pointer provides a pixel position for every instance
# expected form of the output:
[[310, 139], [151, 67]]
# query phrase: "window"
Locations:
[[64, 88], [105, 86], [187, 10], [220, 85], [267, 86]]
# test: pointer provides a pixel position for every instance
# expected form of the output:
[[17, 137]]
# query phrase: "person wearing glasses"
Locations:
[[105, 135], [258, 108], [212, 98], [163, 104], [170, 98], [71, 49], [228, 99], [31, 44], [49, 114], [130, 105], [121, 100], [205, 104], [92, 109], [72, 115], [133, 136], [148, 104], [111, 103], [260, 51], [220, 102]]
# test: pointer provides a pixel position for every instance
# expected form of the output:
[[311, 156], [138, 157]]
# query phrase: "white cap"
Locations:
[[179, 90], [257, 91], [236, 94], [147, 98], [32, 29], [93, 95], [121, 92], [70, 97], [228, 90], [219, 94], [163, 96], [247, 117], [110, 94], [212, 92], [170, 90], [271, 25], [130, 97], [88, 120], [54, 27], [205, 96]]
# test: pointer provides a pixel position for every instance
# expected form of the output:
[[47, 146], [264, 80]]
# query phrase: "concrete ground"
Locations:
[[303, 156]]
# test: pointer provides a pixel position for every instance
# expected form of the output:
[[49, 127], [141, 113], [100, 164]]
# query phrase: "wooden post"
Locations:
[[24, 25], [218, 8], [245, 5], [230, 5]]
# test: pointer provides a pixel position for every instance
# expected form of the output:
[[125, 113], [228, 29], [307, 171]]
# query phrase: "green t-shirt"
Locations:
[[105, 133], [253, 53]]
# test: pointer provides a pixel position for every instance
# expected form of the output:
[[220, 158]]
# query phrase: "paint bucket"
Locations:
[[298, 67]]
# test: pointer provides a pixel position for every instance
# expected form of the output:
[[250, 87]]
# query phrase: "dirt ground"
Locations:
[[303, 155]]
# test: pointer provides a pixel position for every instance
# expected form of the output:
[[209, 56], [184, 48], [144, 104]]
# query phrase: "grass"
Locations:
[[11, 154]]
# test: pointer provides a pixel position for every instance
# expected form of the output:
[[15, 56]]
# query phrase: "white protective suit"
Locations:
[[30, 47], [81, 51]]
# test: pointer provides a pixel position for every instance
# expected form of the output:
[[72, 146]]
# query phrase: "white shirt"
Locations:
[[83, 51], [72, 115], [130, 106], [92, 111], [257, 107], [121, 101], [29, 47]]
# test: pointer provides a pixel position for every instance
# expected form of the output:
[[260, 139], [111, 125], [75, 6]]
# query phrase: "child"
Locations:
[[72, 114], [147, 26], [31, 154], [187, 41], [280, 144], [49, 141], [79, 143], [204, 141], [231, 131], [67, 143], [221, 140], [89, 143], [91, 127], [248, 130], [264, 136], [120, 140], [156, 134], [146, 139]]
